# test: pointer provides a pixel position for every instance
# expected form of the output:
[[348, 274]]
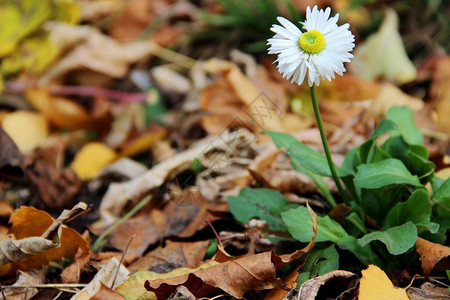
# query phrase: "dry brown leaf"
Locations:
[[57, 186], [104, 277], [156, 225], [72, 273], [310, 289], [389, 95], [119, 194], [430, 254], [67, 114], [440, 93], [29, 278], [92, 50], [173, 255], [375, 282], [27, 129], [428, 291], [106, 293], [91, 159], [11, 159], [31, 224]]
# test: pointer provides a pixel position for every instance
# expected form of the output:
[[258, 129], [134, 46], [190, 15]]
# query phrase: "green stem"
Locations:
[[102, 238], [325, 146]]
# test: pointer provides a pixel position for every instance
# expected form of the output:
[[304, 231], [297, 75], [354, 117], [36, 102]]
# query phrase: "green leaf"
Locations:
[[383, 173], [354, 219], [311, 163], [416, 209], [397, 239], [264, 204], [299, 224], [385, 126], [318, 262], [366, 254], [403, 117], [443, 196], [302, 157], [428, 226]]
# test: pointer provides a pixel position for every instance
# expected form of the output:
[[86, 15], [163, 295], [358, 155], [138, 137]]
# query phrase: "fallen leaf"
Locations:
[[375, 282], [440, 93], [389, 95], [383, 54], [106, 293], [339, 278], [106, 276], [29, 278], [91, 159], [92, 50], [428, 291], [143, 142], [27, 129], [30, 223], [67, 114], [173, 255], [233, 275], [11, 159], [430, 254], [156, 225]]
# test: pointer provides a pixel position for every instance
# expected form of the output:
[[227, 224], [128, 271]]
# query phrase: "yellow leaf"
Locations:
[[18, 19], [34, 56], [375, 284], [143, 143], [134, 288], [67, 11], [383, 54], [91, 159], [27, 129]]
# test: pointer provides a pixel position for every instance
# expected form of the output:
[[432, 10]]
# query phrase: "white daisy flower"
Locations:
[[320, 51]]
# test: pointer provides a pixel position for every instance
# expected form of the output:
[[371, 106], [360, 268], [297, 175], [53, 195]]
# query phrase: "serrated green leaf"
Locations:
[[299, 224], [398, 239], [383, 173], [264, 204]]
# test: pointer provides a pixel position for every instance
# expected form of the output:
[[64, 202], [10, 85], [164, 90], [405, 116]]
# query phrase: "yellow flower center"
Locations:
[[312, 42]]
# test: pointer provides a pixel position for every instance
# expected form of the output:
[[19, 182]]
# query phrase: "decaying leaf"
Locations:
[[173, 255], [119, 194], [310, 289], [428, 291], [440, 93], [233, 275], [106, 293], [92, 50], [39, 240], [104, 277], [11, 159], [27, 129], [375, 282], [430, 254], [67, 114], [91, 159], [25, 278], [383, 54]]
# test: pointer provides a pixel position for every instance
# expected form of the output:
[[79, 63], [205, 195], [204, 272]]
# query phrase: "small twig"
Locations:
[[215, 232], [101, 239], [79, 214], [121, 260]]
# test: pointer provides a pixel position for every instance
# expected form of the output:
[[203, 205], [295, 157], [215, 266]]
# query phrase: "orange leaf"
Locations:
[[430, 254], [28, 222]]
